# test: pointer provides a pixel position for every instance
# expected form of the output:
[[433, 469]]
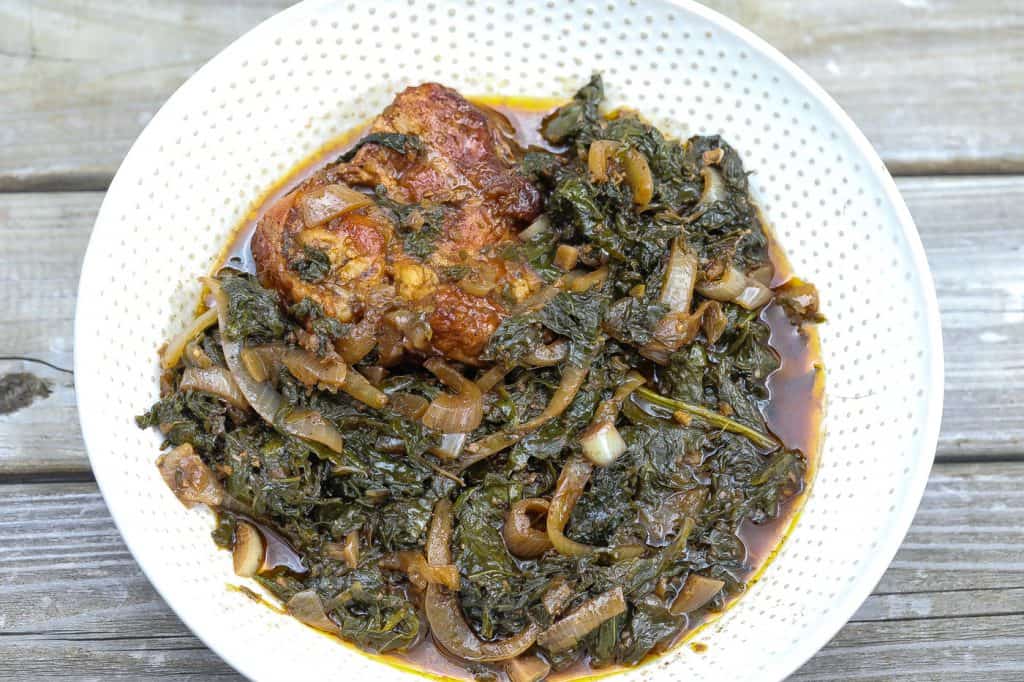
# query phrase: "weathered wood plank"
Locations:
[[969, 226], [73, 603], [921, 78]]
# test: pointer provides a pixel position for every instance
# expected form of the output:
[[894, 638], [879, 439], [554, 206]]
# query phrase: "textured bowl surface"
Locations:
[[320, 68]]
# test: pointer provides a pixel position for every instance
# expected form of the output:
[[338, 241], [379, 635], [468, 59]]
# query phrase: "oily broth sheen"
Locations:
[[793, 413]]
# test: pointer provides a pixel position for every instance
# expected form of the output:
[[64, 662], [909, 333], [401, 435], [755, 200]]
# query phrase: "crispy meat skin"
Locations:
[[466, 169]]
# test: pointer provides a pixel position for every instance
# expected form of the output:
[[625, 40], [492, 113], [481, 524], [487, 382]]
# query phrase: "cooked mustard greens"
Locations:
[[594, 513]]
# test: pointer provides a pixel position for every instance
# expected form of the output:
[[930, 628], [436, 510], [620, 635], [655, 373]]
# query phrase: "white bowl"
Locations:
[[320, 68]]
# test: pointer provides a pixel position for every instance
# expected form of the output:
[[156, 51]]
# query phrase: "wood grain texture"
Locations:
[[81, 80], [73, 603], [969, 225]]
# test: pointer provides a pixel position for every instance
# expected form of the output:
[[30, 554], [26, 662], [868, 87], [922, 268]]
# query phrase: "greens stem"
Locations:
[[710, 416]]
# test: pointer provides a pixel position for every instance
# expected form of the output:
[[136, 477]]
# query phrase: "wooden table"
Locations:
[[937, 85]]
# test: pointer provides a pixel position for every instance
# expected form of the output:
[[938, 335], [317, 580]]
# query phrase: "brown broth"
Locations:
[[794, 410]]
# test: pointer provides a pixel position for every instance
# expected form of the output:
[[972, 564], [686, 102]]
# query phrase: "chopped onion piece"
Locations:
[[350, 550], [579, 281], [697, 591], [583, 620], [360, 339], [489, 379], [357, 386], [539, 226], [216, 381], [172, 352], [322, 204], [566, 256], [602, 444], [680, 278], [189, 477], [453, 413], [312, 425], [409, 405], [306, 607], [527, 668], [597, 158], [314, 371], [572, 379], [730, 285], [714, 188], [247, 554], [521, 538], [754, 295], [571, 482], [638, 175], [451, 446], [549, 355]]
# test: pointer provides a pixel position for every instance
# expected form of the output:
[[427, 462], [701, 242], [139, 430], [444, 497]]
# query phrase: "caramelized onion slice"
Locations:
[[448, 413], [527, 668], [697, 591], [572, 379], [322, 204], [521, 538], [421, 573], [360, 388], [216, 381], [247, 554], [306, 607], [583, 620], [447, 623], [314, 371], [311, 425], [189, 478], [548, 355], [172, 352], [680, 278], [639, 178], [568, 491]]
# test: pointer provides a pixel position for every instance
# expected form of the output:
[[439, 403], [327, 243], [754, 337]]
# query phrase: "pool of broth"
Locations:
[[794, 411]]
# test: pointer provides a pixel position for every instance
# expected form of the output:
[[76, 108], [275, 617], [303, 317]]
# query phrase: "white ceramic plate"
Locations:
[[318, 69]]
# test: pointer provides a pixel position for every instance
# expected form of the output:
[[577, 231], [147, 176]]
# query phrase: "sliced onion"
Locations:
[[314, 371], [247, 554], [763, 274], [597, 158], [539, 226], [374, 374], [453, 413], [350, 551], [730, 285], [521, 538], [489, 379], [481, 280], [572, 379], [447, 623], [713, 321], [697, 591], [189, 477], [557, 596], [357, 386], [579, 281], [639, 178], [259, 361], [360, 339], [583, 620], [306, 607], [566, 257], [680, 278], [260, 395], [753, 296], [172, 352], [451, 446], [409, 405], [325, 203], [527, 668], [420, 572], [602, 444], [311, 425], [485, 447], [714, 187], [216, 381], [571, 483], [549, 355]]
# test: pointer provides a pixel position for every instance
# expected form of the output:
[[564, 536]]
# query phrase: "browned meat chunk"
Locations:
[[459, 183]]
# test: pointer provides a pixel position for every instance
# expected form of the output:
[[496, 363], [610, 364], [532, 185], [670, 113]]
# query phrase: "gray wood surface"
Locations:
[[920, 76], [72, 592], [936, 86]]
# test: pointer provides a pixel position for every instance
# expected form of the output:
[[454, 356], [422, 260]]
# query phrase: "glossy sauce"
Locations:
[[794, 411]]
